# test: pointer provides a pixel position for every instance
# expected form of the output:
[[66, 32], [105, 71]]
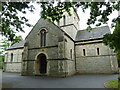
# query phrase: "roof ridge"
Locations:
[[94, 27]]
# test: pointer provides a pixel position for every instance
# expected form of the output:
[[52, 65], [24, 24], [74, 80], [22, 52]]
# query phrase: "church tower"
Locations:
[[69, 24]]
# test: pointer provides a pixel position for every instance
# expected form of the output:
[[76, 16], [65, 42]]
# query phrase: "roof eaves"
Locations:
[[88, 40], [15, 48]]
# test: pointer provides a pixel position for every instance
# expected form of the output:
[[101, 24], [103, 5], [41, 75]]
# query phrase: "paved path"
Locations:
[[13, 80]]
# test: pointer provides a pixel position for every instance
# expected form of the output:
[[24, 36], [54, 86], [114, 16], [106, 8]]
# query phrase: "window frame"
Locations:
[[42, 34]]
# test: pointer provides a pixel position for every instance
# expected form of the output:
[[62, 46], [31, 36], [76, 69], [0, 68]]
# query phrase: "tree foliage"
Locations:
[[5, 43], [10, 21], [113, 40], [55, 12]]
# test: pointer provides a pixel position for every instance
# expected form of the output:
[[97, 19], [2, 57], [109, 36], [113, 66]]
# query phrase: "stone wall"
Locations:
[[15, 64], [71, 30], [69, 49], [70, 56], [70, 67], [29, 64], [71, 25], [60, 58], [13, 67], [73, 19], [105, 62], [51, 53], [52, 35], [54, 41], [61, 68]]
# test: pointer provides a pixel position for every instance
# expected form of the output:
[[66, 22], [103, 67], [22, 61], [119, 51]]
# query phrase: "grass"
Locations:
[[112, 84]]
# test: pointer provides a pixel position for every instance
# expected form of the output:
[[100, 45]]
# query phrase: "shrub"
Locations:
[[118, 58], [1, 61]]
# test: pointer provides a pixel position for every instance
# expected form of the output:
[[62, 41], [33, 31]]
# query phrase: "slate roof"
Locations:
[[97, 33], [82, 35], [17, 45]]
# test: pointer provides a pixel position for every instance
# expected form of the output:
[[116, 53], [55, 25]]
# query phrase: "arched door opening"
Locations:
[[42, 63]]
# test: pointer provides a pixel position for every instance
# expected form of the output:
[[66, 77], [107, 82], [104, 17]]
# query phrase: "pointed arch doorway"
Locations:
[[42, 63]]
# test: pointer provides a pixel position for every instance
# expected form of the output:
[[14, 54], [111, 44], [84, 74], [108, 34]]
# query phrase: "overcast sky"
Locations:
[[34, 17]]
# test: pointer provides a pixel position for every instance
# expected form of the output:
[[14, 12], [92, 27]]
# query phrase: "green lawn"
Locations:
[[112, 84]]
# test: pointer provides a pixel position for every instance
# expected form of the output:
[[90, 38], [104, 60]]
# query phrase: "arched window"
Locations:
[[43, 37], [11, 60]]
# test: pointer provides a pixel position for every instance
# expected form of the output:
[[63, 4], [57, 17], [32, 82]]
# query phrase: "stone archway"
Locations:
[[41, 64]]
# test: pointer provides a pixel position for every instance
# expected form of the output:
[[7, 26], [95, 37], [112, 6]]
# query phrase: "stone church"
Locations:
[[61, 49]]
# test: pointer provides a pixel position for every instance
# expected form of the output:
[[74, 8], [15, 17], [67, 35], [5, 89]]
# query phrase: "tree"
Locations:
[[113, 40], [5, 43], [10, 21]]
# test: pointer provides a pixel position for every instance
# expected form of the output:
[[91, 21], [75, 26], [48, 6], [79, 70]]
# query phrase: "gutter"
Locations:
[[15, 48], [88, 40]]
